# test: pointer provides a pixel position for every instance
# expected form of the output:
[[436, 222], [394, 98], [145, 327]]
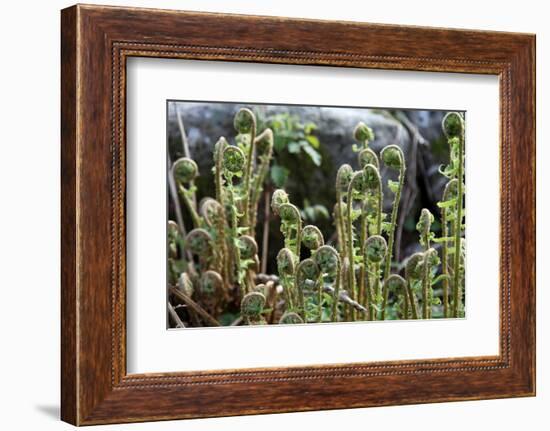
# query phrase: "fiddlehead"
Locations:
[[307, 276], [252, 306], [290, 318], [453, 127], [413, 273], [248, 253], [363, 134], [368, 157], [233, 161], [264, 146], [447, 206], [210, 289], [356, 189], [199, 242], [343, 178], [184, 171], [430, 260], [393, 158], [398, 285], [424, 226], [376, 250], [371, 224], [278, 198], [245, 124], [330, 265], [291, 227], [286, 265], [213, 214], [312, 238]]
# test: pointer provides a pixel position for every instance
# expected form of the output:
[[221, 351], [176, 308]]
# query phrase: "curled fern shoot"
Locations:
[[330, 265], [398, 285], [233, 162], [424, 227], [290, 318], [413, 273], [245, 124], [393, 158], [376, 250], [343, 178], [447, 211], [430, 260], [264, 147], [286, 266], [291, 227], [252, 306], [184, 171], [363, 134], [312, 238], [453, 127], [199, 243], [307, 276], [356, 190]]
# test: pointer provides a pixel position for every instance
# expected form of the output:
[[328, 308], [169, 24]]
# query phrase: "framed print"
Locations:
[[340, 209]]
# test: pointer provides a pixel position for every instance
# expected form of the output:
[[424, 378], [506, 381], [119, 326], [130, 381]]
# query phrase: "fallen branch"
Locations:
[[194, 306], [174, 316]]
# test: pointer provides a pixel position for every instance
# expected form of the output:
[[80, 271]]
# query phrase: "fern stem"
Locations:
[[391, 234], [458, 227]]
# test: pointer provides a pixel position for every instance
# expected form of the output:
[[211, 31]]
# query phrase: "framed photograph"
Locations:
[[265, 215]]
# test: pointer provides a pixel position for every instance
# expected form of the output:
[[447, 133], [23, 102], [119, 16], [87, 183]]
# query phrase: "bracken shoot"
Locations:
[[350, 271]]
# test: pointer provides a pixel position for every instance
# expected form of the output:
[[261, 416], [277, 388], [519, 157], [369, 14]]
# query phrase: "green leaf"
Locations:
[[293, 147], [393, 186], [309, 127], [279, 143], [386, 226], [313, 155], [313, 141], [447, 204], [322, 211], [279, 175], [440, 277]]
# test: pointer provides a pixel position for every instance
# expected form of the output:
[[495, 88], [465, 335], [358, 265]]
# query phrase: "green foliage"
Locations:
[[217, 262], [292, 140]]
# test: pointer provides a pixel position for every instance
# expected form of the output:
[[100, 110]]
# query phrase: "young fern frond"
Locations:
[[245, 124], [252, 307], [376, 250], [449, 196], [330, 264], [225, 271], [424, 229], [356, 189], [413, 273], [453, 127], [233, 162], [307, 276], [343, 178], [393, 158], [312, 237], [398, 285], [373, 185], [184, 171], [291, 227], [363, 134], [199, 242], [264, 147], [286, 266]]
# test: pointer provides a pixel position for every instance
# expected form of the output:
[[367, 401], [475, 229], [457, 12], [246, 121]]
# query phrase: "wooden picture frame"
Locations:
[[95, 43]]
